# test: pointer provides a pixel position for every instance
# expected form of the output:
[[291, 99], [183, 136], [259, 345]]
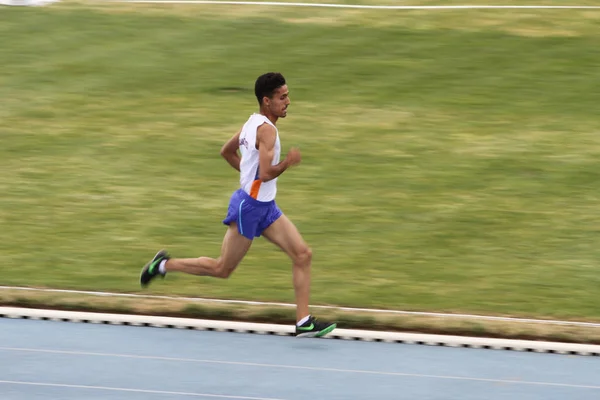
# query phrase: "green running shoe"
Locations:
[[314, 328], [150, 270]]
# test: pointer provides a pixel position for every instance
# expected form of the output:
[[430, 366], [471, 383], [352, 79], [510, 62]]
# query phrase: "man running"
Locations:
[[252, 210]]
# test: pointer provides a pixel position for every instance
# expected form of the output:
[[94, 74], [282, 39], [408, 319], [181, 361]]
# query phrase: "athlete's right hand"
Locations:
[[293, 156]]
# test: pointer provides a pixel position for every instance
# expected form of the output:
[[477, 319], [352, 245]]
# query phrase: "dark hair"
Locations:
[[266, 84]]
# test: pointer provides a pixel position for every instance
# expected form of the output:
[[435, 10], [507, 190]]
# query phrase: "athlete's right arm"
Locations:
[[229, 151], [265, 139]]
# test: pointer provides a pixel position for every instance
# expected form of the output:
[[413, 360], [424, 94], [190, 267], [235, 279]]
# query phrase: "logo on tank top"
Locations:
[[244, 143]]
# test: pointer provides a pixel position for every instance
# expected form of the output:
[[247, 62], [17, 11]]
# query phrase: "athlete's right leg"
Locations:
[[234, 248]]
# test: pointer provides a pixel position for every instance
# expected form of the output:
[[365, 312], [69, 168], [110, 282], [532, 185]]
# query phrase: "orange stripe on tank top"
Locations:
[[255, 188]]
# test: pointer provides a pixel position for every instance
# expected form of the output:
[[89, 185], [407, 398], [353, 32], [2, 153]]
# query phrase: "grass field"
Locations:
[[451, 160]]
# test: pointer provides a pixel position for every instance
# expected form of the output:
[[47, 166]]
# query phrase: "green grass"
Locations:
[[450, 159]]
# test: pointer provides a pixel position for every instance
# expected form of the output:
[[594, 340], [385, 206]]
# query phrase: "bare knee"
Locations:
[[223, 270], [303, 257]]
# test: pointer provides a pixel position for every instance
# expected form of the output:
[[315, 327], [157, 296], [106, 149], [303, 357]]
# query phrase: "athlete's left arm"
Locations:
[[229, 151]]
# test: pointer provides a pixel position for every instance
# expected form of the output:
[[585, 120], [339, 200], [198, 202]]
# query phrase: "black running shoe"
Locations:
[[150, 270], [314, 328]]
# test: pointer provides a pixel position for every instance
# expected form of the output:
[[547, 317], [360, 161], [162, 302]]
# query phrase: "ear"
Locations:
[[266, 101]]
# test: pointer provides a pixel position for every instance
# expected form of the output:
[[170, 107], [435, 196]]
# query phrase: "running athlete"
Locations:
[[252, 210]]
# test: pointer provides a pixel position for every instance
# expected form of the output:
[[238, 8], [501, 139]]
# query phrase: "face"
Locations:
[[279, 102]]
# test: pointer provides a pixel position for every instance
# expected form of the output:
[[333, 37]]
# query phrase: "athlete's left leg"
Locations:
[[286, 236]]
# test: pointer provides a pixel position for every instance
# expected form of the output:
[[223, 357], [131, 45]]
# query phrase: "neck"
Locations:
[[270, 116]]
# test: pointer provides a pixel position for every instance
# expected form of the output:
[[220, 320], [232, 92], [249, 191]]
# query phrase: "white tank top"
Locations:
[[249, 182]]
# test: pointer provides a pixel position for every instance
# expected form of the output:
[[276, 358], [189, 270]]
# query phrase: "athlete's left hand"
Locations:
[[293, 156]]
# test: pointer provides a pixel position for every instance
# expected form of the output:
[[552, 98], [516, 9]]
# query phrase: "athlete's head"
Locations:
[[272, 94]]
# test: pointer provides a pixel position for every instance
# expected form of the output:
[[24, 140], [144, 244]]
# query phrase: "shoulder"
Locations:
[[266, 135], [266, 130]]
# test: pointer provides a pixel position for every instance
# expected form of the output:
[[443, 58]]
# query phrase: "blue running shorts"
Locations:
[[252, 216]]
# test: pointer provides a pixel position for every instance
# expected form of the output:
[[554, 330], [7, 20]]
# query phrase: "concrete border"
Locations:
[[288, 330], [27, 3]]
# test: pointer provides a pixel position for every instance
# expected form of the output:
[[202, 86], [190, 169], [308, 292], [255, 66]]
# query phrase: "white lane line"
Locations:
[[366, 6], [62, 385], [288, 305], [299, 367]]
